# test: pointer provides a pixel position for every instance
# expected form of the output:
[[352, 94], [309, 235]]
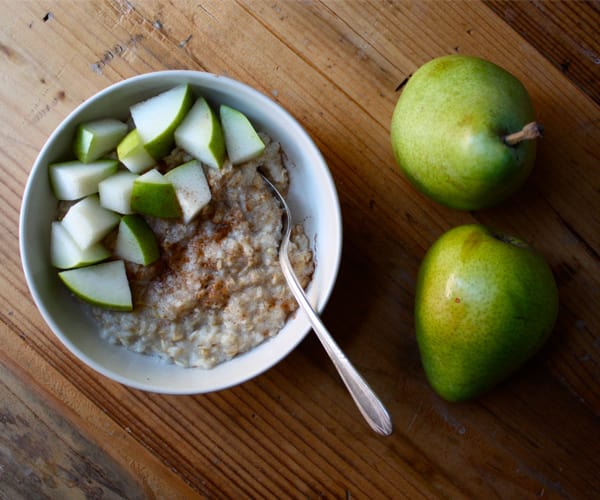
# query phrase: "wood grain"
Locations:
[[293, 431], [61, 460], [565, 33]]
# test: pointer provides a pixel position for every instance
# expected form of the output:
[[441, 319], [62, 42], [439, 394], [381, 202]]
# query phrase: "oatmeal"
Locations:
[[217, 290]]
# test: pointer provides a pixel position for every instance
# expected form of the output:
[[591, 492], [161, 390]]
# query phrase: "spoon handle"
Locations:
[[367, 401]]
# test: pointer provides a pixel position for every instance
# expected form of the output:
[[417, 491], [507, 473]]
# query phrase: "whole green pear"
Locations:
[[485, 303], [461, 132]]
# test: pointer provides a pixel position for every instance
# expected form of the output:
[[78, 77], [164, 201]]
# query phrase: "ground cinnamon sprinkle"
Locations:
[[217, 290]]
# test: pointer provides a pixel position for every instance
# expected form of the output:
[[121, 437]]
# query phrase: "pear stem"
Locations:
[[530, 131]]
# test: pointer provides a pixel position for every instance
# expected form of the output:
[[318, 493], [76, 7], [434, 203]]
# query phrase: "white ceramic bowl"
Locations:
[[312, 197]]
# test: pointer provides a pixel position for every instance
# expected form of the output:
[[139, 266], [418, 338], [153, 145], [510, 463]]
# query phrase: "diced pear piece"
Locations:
[[136, 241], [104, 285], [154, 195], [132, 153], [66, 254], [200, 135], [96, 138], [72, 180], [191, 188], [241, 140], [88, 222], [115, 192], [157, 118]]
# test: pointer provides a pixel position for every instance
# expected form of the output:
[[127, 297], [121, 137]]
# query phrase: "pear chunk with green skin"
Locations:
[[200, 135], [66, 254], [105, 285], [135, 241], [154, 195], [96, 138], [132, 153], [157, 118], [115, 192], [88, 222], [72, 180], [191, 188], [241, 140]]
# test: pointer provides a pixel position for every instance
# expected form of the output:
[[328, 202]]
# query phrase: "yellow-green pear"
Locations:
[[462, 132], [485, 303]]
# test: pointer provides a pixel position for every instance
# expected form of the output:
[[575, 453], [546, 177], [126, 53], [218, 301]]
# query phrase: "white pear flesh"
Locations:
[[88, 222], [115, 192], [154, 195], [241, 139], [72, 180], [191, 188], [157, 118], [200, 135], [132, 153], [66, 254], [136, 241], [105, 285], [97, 138]]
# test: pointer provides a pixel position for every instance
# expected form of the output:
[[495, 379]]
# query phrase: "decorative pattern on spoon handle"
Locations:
[[368, 403]]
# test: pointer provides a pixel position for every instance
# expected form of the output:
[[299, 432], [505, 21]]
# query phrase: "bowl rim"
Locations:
[[39, 164]]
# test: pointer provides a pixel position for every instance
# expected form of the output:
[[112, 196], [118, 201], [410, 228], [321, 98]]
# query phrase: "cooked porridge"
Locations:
[[217, 290]]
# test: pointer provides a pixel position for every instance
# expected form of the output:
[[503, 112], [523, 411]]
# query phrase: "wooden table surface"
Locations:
[[67, 432]]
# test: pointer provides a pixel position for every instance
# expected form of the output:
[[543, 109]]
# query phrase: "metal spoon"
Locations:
[[368, 403]]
